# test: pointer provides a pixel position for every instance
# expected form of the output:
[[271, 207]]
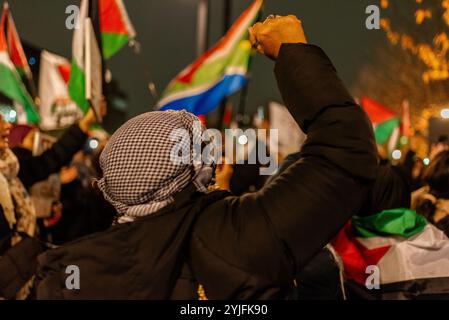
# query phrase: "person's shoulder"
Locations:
[[216, 206], [214, 219]]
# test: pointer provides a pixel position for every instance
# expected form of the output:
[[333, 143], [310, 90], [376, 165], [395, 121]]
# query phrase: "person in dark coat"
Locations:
[[84, 211], [320, 279], [174, 241], [432, 200], [19, 170], [34, 169]]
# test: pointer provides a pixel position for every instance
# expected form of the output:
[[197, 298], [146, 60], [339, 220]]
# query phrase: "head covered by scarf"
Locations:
[[141, 163]]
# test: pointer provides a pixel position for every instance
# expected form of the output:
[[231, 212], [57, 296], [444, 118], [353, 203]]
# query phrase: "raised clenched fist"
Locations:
[[268, 36]]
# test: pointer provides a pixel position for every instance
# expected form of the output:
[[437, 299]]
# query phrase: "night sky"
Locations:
[[167, 32]]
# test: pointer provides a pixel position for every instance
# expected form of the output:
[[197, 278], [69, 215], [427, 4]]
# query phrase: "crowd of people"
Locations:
[[140, 226]]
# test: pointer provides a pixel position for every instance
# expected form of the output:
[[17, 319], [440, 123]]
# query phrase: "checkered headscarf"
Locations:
[[139, 174]]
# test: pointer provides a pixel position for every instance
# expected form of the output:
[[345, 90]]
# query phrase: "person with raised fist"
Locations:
[[178, 241]]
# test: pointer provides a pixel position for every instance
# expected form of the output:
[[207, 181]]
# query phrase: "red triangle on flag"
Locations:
[[377, 112], [3, 44], [356, 258], [64, 71], [16, 51], [187, 75], [111, 19]]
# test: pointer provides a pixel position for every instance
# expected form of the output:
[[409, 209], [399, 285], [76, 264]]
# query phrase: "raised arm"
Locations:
[[35, 169], [274, 232]]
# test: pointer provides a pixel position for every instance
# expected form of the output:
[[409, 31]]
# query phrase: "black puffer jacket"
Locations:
[[260, 240], [248, 247]]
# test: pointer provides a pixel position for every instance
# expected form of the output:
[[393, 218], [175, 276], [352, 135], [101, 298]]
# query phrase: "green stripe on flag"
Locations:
[[112, 43], [14, 89], [395, 222], [77, 87], [384, 130], [20, 71], [213, 71]]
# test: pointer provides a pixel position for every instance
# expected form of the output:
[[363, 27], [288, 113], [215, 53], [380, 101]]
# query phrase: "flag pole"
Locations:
[[227, 13], [94, 21], [202, 32], [146, 73], [94, 14], [244, 93]]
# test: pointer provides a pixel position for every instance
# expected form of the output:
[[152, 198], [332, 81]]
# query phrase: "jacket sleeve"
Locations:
[[300, 211], [35, 169]]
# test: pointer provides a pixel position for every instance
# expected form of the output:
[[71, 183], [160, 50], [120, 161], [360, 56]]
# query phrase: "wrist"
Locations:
[[84, 126]]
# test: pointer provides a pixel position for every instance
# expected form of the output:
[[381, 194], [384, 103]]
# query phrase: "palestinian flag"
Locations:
[[412, 255], [17, 54], [220, 72], [385, 122], [11, 85], [78, 75], [115, 27], [57, 110]]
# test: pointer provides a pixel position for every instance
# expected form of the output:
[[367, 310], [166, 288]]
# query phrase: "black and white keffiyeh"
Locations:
[[151, 158]]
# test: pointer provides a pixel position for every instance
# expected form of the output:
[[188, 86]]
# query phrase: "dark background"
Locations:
[[166, 30]]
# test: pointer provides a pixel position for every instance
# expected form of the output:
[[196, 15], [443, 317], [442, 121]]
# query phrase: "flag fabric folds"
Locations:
[[115, 27], [56, 109], [220, 72], [402, 244], [18, 57], [93, 69], [116, 31], [11, 85], [77, 82], [384, 120]]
